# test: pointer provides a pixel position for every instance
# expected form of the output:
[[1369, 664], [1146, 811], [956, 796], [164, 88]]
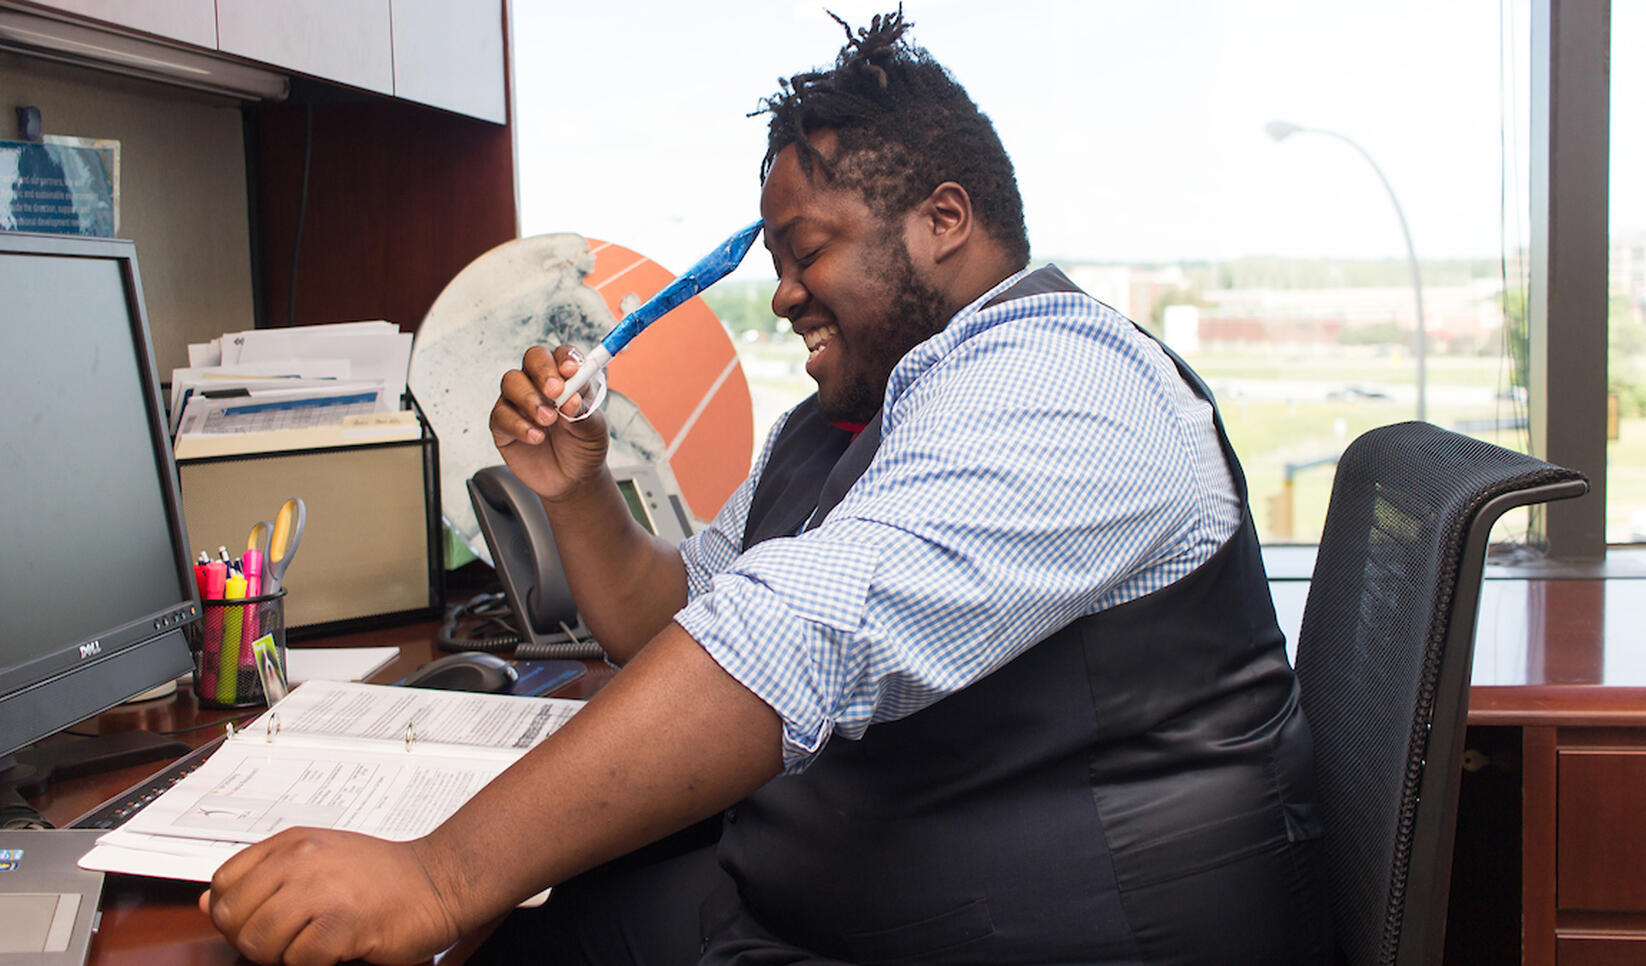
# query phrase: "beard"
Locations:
[[912, 312]]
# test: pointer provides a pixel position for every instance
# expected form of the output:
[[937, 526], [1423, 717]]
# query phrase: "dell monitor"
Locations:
[[95, 578]]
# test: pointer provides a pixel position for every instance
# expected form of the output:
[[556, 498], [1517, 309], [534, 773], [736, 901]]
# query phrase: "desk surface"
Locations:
[[1547, 652], [154, 920], [1561, 652]]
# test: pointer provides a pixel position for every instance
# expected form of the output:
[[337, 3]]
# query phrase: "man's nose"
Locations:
[[788, 299]]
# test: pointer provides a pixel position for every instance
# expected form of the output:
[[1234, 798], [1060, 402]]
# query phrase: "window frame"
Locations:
[[1570, 165]]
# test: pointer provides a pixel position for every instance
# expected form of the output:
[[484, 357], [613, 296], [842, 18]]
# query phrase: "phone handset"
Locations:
[[517, 531]]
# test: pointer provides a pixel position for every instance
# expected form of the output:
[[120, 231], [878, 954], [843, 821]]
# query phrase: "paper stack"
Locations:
[[303, 387]]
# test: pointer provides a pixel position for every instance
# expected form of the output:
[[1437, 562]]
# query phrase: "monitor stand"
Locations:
[[29, 770]]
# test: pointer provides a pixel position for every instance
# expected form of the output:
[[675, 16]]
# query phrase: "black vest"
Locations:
[[1136, 788]]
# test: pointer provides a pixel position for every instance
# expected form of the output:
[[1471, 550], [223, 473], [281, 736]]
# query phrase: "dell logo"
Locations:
[[91, 649]]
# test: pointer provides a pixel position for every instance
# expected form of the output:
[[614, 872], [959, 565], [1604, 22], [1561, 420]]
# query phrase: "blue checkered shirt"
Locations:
[[1040, 460]]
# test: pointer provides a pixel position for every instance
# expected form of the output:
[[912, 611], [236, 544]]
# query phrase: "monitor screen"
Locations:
[[95, 581]]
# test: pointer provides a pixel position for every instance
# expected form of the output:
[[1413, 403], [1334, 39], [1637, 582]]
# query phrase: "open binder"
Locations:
[[385, 761]]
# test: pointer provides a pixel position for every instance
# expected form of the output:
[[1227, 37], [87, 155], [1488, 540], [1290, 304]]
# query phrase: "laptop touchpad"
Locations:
[[37, 922]]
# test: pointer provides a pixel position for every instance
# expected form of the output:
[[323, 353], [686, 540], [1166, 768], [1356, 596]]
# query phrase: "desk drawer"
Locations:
[[1601, 951], [1601, 838]]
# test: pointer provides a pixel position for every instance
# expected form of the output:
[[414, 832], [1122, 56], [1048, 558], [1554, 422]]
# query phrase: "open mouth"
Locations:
[[818, 339]]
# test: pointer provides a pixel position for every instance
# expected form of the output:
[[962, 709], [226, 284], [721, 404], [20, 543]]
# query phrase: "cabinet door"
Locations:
[[449, 54], [1601, 843], [339, 40], [191, 21]]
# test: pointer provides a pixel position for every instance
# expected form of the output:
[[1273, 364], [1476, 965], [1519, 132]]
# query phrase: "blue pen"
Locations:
[[710, 269]]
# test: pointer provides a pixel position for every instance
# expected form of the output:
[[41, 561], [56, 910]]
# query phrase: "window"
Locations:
[[1278, 258], [1626, 286]]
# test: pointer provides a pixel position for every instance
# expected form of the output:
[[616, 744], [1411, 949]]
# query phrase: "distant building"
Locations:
[[1463, 317], [1458, 317], [1132, 290]]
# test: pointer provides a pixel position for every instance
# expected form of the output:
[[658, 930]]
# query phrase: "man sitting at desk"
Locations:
[[979, 664]]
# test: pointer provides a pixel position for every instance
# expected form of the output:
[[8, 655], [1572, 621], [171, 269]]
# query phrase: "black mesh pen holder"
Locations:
[[226, 665]]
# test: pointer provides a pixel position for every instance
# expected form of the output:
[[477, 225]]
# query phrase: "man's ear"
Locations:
[[944, 221]]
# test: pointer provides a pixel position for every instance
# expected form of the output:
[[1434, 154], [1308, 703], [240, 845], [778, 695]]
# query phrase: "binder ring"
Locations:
[[411, 735], [272, 728]]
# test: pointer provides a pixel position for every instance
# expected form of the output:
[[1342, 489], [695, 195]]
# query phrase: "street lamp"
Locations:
[[1280, 131]]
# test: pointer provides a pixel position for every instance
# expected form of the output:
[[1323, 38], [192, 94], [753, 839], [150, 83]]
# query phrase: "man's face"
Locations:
[[846, 284]]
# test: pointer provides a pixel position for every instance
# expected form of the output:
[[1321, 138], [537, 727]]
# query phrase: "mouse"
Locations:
[[465, 671]]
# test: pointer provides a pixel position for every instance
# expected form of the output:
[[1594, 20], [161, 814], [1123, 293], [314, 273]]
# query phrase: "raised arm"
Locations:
[[626, 582]]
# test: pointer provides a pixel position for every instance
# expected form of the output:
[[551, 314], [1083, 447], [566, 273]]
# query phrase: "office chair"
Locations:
[[1383, 663]]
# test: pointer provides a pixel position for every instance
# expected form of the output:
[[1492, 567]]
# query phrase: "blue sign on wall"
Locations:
[[65, 186]]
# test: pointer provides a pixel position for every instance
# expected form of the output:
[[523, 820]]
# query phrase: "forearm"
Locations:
[[627, 583], [671, 740]]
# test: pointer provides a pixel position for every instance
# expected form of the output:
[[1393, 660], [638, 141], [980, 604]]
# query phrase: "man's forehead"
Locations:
[[821, 145], [789, 185]]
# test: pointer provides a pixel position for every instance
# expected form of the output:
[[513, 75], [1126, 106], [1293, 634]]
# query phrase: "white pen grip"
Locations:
[[592, 364]]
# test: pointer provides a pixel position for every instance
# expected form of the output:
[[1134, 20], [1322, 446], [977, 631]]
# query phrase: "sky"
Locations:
[[1137, 128]]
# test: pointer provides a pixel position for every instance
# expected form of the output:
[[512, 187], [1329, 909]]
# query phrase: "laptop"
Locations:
[[47, 902]]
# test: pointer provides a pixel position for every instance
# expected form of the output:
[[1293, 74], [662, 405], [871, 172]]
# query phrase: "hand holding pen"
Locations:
[[524, 411], [708, 270]]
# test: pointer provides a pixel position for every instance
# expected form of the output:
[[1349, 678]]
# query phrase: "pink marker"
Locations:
[[217, 573], [251, 564]]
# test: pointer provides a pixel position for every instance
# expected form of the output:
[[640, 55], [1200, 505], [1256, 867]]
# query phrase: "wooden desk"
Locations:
[[1550, 846], [156, 920], [1569, 686]]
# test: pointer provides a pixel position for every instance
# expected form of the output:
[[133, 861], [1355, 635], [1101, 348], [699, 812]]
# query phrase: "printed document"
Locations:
[[386, 761]]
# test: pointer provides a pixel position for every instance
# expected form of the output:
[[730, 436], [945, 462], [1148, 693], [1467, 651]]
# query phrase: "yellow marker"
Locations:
[[228, 656]]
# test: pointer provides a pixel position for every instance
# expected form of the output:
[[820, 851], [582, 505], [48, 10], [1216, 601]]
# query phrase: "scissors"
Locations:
[[283, 540], [258, 539]]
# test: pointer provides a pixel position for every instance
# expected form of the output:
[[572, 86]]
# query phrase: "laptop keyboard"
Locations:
[[117, 810]]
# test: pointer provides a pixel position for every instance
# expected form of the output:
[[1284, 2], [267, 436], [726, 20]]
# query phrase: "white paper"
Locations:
[[283, 407], [332, 755], [336, 663], [232, 343], [165, 857], [383, 713], [287, 373], [206, 353], [374, 354], [246, 793]]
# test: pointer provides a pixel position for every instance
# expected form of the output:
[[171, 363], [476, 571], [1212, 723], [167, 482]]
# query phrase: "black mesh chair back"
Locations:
[[1383, 661]]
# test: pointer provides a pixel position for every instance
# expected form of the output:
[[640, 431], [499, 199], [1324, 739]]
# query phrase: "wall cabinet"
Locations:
[[448, 54], [190, 21], [347, 41]]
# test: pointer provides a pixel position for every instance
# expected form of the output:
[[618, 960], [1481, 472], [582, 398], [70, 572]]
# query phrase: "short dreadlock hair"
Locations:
[[904, 126]]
